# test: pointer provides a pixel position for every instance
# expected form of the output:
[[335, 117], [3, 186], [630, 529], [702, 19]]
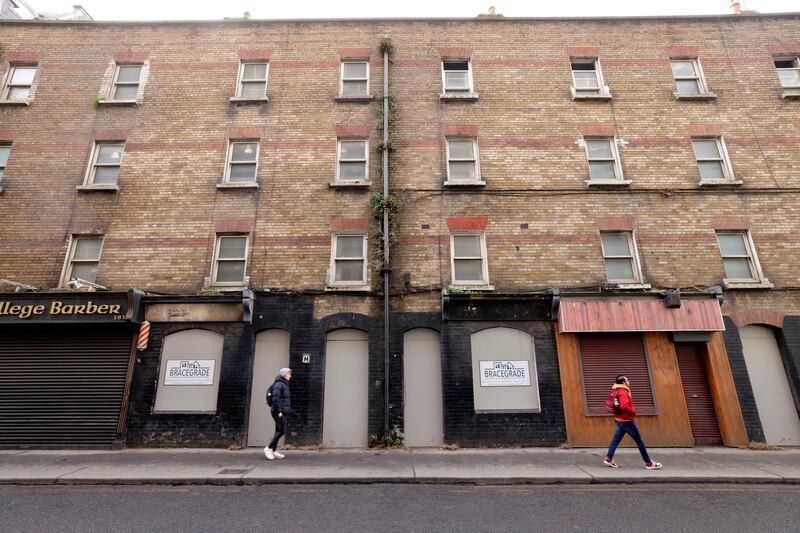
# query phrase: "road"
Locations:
[[395, 508]]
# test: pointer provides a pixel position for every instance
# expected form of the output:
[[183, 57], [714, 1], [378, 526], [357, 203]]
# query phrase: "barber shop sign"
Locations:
[[505, 374]]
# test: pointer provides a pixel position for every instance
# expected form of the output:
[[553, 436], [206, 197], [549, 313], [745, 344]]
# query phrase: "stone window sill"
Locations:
[[458, 97], [347, 288], [607, 183], [464, 183], [249, 100], [627, 286], [604, 94], [15, 102], [345, 184], [713, 183], [108, 102], [791, 93], [733, 284], [237, 185], [697, 97], [470, 288], [361, 99], [105, 187]]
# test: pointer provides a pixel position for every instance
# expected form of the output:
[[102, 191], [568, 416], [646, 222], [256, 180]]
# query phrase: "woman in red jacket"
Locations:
[[625, 417]]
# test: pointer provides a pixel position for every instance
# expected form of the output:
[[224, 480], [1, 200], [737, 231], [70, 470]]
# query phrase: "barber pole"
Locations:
[[144, 334]]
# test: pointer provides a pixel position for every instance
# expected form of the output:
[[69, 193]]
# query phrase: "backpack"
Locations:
[[269, 395], [612, 403]]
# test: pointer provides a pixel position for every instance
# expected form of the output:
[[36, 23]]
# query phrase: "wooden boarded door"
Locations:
[[702, 415]]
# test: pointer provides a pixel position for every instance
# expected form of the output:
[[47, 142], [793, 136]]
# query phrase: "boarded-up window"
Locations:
[[603, 358]]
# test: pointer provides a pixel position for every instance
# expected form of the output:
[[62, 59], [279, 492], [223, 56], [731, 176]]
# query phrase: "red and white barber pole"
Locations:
[[144, 335]]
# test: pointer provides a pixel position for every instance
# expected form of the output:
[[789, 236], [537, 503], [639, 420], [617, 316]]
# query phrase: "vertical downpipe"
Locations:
[[386, 268]]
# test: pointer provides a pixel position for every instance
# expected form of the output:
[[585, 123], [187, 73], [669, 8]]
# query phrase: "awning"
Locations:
[[600, 315]]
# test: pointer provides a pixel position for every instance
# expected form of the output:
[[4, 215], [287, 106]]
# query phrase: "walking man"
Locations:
[[625, 417], [280, 408]]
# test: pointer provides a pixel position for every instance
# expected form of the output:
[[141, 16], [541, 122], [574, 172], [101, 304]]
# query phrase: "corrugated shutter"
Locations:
[[603, 358], [62, 385], [702, 416]]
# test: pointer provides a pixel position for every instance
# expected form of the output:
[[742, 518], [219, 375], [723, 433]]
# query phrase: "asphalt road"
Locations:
[[305, 508]]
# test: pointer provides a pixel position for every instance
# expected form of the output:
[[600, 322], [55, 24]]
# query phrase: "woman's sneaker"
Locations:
[[269, 454], [610, 462], [653, 465], [278, 455]]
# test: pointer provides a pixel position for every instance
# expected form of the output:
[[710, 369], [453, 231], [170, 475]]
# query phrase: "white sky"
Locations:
[[278, 9]]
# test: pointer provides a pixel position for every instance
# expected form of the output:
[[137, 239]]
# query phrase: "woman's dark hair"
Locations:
[[621, 379]]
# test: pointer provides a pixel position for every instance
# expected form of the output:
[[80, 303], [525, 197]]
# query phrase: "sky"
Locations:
[[281, 9]]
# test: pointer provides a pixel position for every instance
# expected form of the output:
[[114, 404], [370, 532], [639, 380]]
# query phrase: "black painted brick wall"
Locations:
[[747, 402], [789, 344]]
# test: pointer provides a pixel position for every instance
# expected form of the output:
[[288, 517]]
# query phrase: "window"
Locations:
[[230, 260], [104, 167], [469, 259], [587, 79], [619, 254], [83, 258], [456, 75], [604, 164], [19, 82], [253, 80], [712, 159], [788, 71], [462, 160], [126, 82], [5, 151], [349, 260], [688, 77], [355, 78], [737, 256], [353, 160], [242, 162]]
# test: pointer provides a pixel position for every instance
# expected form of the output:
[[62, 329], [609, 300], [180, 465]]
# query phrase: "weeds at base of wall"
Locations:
[[565, 446], [451, 447], [303, 447], [761, 446], [394, 439]]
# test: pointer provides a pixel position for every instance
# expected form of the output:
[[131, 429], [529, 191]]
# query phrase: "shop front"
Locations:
[[65, 365], [674, 357]]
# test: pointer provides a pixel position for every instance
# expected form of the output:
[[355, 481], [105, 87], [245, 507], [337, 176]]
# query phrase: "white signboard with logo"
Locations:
[[505, 374], [189, 372]]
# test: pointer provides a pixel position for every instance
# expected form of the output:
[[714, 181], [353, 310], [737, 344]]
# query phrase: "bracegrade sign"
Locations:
[[58, 308], [505, 374], [189, 372]]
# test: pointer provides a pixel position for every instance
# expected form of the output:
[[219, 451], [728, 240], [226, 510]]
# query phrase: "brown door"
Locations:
[[702, 416]]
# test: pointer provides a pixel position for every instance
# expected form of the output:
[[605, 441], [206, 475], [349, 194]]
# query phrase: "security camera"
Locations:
[[78, 283]]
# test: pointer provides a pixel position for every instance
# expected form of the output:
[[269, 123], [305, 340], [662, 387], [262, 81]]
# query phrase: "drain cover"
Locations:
[[234, 471]]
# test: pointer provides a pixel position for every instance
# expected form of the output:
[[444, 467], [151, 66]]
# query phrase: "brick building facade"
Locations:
[[556, 179]]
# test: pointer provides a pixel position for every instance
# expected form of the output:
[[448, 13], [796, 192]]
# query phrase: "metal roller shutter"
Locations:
[[603, 358], [702, 416], [62, 385]]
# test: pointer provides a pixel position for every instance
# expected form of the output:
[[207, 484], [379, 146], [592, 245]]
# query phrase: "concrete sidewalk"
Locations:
[[478, 466]]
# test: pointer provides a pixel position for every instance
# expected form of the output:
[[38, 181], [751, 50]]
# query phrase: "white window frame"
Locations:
[[240, 80], [477, 179], [334, 258], [4, 165], [8, 85], [699, 76], [216, 260], [229, 162], [115, 82], [484, 260], [447, 90], [66, 274], [92, 169], [796, 61], [342, 79], [601, 92], [633, 257], [758, 280], [727, 168], [339, 160], [619, 176]]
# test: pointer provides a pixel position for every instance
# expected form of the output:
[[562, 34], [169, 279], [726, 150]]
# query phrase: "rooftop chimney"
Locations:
[[736, 7], [492, 11], [246, 15]]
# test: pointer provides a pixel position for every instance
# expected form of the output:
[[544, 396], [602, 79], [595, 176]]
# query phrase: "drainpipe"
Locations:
[[386, 270]]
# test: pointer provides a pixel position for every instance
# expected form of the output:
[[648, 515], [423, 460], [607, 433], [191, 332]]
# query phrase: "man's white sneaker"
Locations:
[[278, 455], [269, 454]]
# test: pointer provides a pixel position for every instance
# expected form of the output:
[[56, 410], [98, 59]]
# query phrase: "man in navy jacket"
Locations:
[[281, 408]]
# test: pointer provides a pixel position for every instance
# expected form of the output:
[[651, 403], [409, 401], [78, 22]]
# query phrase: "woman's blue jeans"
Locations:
[[633, 430]]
